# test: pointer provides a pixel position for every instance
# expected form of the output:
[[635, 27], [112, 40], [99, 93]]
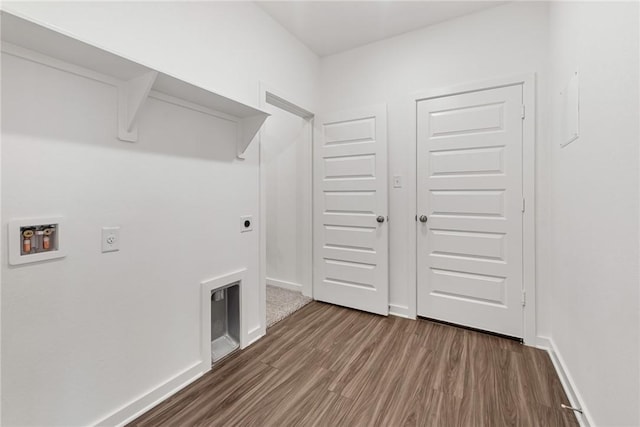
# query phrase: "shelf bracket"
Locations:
[[131, 97], [248, 127]]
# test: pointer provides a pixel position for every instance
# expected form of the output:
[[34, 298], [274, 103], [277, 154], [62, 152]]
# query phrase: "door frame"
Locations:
[[528, 82], [270, 98]]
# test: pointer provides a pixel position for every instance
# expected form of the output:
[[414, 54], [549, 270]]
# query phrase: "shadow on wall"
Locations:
[[83, 105]]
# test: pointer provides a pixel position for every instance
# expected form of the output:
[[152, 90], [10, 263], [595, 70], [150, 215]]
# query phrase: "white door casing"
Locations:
[[350, 197], [470, 188]]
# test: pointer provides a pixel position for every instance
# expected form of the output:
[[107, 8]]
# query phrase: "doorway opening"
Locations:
[[285, 207]]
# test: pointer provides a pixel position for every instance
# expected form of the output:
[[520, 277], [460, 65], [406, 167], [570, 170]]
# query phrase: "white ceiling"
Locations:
[[329, 27]]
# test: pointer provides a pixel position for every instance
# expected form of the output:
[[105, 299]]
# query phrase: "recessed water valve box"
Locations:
[[32, 240]]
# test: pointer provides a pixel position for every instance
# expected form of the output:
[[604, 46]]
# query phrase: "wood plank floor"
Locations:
[[331, 366]]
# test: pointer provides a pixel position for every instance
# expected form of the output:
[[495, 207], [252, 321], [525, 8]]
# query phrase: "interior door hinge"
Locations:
[[524, 298], [523, 112], [523, 205]]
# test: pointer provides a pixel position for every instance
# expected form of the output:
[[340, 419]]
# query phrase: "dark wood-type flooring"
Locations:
[[331, 366]]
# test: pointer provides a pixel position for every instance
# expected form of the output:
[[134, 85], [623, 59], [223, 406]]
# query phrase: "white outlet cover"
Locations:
[[243, 226], [110, 239]]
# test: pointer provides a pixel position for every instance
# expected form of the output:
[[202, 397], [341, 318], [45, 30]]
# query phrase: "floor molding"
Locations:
[[284, 284], [142, 404], [399, 311], [255, 334], [566, 379]]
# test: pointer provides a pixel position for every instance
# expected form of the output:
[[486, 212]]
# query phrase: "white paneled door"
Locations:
[[350, 210], [470, 208]]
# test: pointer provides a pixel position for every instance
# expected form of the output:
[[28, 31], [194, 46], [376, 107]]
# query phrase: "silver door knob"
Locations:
[[380, 219], [423, 218]]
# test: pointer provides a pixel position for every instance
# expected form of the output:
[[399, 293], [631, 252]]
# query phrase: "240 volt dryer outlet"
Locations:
[[246, 223]]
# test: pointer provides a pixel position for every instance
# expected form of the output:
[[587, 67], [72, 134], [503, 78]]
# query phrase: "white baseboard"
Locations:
[[575, 399], [142, 404], [284, 284], [400, 311], [254, 335]]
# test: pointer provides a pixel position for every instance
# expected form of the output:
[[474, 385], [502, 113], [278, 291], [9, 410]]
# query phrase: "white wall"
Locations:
[[595, 277], [498, 42], [87, 335], [228, 48], [82, 337]]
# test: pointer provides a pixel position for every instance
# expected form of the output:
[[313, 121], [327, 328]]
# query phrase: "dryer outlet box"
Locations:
[[246, 223]]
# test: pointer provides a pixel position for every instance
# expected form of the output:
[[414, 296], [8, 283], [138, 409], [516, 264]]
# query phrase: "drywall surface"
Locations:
[[499, 42], [595, 206], [226, 47], [87, 335], [286, 141]]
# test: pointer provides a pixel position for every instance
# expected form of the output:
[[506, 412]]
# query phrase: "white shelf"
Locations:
[[135, 81]]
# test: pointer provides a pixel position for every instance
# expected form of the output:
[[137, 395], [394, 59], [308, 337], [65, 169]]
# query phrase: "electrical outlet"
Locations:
[[246, 223], [110, 239]]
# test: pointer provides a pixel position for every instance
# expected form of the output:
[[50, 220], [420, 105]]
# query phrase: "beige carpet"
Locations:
[[282, 302]]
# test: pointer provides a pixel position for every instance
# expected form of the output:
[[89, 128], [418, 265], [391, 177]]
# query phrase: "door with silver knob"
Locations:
[[470, 186], [350, 209]]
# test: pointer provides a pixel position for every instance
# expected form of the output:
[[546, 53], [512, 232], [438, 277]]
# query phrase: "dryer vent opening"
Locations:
[[225, 321]]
